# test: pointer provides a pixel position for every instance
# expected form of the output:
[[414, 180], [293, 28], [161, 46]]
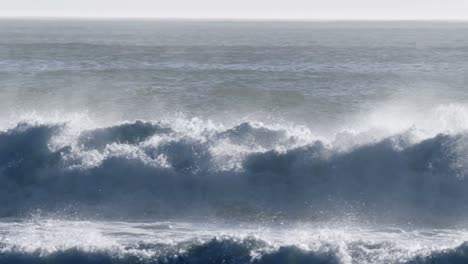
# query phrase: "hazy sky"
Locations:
[[298, 9]]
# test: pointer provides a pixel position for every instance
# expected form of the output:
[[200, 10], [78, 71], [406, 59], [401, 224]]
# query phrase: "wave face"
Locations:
[[191, 168], [214, 251], [57, 241], [218, 251]]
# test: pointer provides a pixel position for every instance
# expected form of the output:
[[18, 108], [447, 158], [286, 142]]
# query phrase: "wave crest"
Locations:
[[150, 168], [229, 250]]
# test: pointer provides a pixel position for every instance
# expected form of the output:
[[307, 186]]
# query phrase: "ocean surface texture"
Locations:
[[194, 142]]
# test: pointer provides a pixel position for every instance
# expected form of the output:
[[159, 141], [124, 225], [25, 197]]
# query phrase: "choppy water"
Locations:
[[233, 142]]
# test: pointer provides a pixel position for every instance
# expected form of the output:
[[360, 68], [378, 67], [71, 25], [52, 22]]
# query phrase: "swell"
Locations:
[[233, 251], [248, 171]]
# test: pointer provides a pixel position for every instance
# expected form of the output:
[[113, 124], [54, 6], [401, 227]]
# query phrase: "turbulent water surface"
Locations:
[[233, 142]]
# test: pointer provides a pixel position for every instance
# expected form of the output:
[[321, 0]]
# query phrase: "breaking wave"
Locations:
[[247, 171], [233, 251], [215, 251]]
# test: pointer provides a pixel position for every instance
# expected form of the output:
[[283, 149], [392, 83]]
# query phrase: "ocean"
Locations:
[[235, 142]]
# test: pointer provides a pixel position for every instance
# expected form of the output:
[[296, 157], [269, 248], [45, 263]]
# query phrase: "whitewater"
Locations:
[[233, 142]]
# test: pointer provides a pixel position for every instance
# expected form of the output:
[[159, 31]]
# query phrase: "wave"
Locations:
[[217, 250], [214, 251], [249, 171], [233, 251]]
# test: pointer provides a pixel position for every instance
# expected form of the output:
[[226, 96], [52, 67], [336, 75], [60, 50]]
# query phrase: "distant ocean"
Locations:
[[209, 142]]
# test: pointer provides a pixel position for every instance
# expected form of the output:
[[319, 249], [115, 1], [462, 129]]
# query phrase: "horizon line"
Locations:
[[229, 19]]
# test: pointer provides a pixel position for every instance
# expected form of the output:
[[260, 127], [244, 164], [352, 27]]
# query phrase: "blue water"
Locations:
[[233, 142]]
